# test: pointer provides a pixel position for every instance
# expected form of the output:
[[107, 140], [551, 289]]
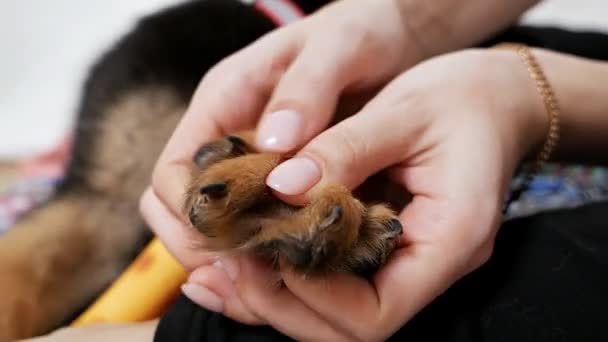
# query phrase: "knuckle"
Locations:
[[214, 73], [227, 76], [342, 152], [365, 45], [346, 148], [231, 79], [262, 61], [353, 26]]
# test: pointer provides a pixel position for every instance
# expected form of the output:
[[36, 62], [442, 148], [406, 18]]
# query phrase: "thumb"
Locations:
[[346, 154]]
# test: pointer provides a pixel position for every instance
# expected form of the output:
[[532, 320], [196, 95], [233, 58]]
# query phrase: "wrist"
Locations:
[[541, 120], [519, 108], [580, 87], [443, 26]]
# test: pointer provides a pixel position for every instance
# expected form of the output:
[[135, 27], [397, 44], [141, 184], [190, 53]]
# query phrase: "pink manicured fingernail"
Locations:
[[203, 297], [279, 131], [231, 266], [295, 176]]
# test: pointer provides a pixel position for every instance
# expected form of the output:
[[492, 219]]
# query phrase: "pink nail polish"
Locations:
[[203, 296], [294, 176], [280, 131]]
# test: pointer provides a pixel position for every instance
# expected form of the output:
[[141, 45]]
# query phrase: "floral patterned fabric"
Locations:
[[35, 184]]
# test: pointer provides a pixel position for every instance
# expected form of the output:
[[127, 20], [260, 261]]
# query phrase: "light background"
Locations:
[[47, 46]]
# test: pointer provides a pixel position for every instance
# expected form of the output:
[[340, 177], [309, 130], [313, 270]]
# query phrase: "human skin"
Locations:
[[468, 145], [456, 156], [269, 76]]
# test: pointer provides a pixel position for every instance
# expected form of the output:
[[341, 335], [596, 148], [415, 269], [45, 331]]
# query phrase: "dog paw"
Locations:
[[311, 248], [340, 241], [320, 237], [228, 202], [380, 234], [227, 192], [355, 240]]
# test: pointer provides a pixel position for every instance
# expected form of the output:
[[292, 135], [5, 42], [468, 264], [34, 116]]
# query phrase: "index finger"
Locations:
[[230, 97]]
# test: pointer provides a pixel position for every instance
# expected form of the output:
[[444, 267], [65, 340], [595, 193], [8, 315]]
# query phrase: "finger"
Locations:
[[412, 278], [465, 201], [257, 287], [209, 281], [445, 236], [182, 241], [305, 99], [335, 301], [229, 98], [350, 151]]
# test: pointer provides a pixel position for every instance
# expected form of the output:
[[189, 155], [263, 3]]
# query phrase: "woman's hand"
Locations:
[[451, 131], [291, 80], [288, 83]]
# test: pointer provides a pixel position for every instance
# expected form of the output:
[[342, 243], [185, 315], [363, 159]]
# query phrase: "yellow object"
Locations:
[[142, 292]]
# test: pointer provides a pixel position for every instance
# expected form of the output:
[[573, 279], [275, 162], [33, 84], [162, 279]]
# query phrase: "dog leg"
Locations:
[[57, 257]]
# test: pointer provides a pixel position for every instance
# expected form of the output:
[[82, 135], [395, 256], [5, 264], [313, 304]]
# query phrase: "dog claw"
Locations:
[[236, 141], [334, 215], [213, 152], [394, 226], [215, 190]]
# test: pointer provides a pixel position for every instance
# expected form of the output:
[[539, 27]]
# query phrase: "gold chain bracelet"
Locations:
[[552, 107]]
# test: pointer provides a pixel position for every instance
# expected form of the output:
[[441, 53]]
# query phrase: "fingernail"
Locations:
[[279, 131], [230, 265], [294, 176], [203, 297]]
